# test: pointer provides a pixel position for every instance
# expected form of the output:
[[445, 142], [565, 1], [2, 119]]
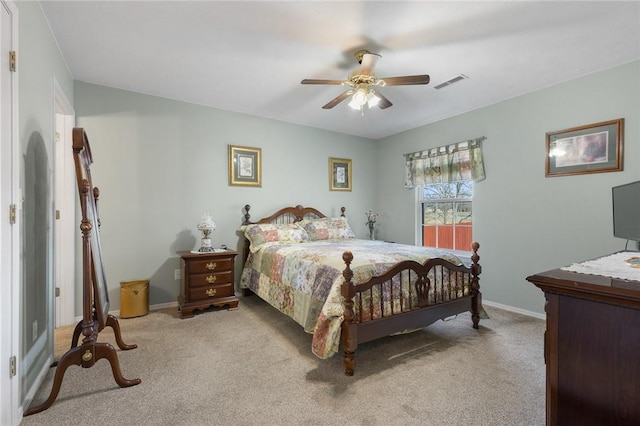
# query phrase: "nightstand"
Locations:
[[207, 280]]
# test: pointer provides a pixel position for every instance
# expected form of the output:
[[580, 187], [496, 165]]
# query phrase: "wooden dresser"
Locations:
[[591, 348], [207, 280]]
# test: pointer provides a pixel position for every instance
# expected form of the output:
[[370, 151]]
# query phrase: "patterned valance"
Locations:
[[458, 162]]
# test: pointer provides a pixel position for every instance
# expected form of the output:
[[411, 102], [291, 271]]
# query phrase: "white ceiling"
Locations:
[[249, 57]]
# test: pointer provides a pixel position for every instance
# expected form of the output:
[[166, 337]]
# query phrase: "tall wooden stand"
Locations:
[[95, 296]]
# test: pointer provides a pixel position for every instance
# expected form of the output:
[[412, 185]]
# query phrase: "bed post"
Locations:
[[476, 296], [247, 216], [349, 335], [245, 246]]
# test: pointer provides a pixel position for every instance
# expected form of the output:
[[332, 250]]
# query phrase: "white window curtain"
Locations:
[[458, 162]]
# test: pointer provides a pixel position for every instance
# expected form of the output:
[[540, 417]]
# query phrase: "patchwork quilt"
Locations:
[[303, 279]]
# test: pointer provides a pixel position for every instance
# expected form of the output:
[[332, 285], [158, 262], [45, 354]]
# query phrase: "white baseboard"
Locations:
[[516, 310], [484, 302], [151, 308], [163, 306]]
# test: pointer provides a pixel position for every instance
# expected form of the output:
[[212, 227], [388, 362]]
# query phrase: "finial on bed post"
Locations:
[[247, 216], [476, 296], [342, 210], [347, 256], [348, 336]]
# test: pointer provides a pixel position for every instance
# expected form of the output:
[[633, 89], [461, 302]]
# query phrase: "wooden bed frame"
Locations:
[[355, 330]]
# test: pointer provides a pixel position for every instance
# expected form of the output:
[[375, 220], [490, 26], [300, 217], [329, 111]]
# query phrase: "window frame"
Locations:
[[421, 200]]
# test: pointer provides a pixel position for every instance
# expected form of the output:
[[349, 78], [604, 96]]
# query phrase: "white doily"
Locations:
[[613, 266], [217, 250]]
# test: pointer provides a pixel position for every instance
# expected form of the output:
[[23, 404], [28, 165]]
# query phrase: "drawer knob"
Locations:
[[211, 279], [211, 292], [211, 266]]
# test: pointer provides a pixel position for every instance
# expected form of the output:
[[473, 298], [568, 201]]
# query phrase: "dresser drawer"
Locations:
[[200, 280], [211, 265], [211, 292]]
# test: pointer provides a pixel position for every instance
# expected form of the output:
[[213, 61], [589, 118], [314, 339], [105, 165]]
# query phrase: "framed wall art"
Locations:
[[245, 166], [594, 148], [339, 174]]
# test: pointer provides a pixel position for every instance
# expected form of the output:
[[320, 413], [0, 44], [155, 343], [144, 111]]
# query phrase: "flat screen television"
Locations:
[[626, 211]]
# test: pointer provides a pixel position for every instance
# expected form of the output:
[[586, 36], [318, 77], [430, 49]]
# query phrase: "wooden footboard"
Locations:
[[408, 296]]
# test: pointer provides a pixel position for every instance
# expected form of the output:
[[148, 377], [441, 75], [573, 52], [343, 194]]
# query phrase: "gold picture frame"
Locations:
[[245, 166], [340, 174], [593, 148]]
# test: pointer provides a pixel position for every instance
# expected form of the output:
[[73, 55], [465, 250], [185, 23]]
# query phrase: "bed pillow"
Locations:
[[259, 234], [327, 228]]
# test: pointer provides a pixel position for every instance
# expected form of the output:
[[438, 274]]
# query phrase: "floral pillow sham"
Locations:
[[260, 234], [327, 228]]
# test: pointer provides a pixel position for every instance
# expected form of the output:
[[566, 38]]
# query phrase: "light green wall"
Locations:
[[526, 223], [161, 164]]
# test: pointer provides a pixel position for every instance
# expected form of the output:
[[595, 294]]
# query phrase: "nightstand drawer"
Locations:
[[211, 265], [212, 292], [199, 280]]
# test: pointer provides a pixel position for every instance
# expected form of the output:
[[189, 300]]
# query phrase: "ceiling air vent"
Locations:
[[451, 81]]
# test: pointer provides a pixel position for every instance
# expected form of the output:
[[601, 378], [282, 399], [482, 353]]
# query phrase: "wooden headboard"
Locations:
[[282, 216]]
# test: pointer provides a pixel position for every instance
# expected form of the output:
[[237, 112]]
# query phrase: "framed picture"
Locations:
[[594, 148], [339, 174], [245, 166]]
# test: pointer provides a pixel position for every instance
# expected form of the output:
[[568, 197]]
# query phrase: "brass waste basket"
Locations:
[[134, 298]]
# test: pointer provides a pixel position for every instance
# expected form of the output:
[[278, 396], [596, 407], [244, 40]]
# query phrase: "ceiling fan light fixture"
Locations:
[[354, 104], [358, 99], [372, 99]]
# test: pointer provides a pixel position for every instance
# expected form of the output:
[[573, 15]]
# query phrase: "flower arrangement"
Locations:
[[371, 218], [371, 222]]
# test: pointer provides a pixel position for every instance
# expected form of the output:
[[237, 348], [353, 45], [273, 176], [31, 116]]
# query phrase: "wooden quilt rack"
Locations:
[[95, 298]]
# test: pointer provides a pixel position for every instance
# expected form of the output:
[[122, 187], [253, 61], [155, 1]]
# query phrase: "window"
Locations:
[[447, 215]]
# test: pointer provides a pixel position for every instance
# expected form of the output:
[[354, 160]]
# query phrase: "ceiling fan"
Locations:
[[363, 84]]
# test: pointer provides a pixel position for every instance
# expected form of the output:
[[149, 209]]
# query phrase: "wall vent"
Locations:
[[451, 81]]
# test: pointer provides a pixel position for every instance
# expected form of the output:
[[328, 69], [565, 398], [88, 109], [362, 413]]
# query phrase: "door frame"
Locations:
[[10, 262], [65, 208]]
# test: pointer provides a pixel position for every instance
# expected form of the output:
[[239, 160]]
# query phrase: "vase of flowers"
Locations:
[[371, 223]]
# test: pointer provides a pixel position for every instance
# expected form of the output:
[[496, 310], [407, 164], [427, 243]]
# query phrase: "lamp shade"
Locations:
[[372, 99], [358, 99], [206, 226]]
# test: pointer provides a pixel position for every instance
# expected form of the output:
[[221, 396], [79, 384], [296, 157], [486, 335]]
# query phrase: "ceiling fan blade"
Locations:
[[315, 81], [406, 80], [369, 61], [335, 101], [383, 103]]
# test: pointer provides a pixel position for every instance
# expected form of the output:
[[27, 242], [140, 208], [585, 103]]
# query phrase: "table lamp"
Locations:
[[206, 226]]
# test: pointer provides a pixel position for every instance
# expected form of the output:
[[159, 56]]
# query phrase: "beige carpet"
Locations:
[[254, 366]]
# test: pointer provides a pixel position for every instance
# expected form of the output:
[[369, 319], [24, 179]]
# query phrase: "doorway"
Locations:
[[65, 209]]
